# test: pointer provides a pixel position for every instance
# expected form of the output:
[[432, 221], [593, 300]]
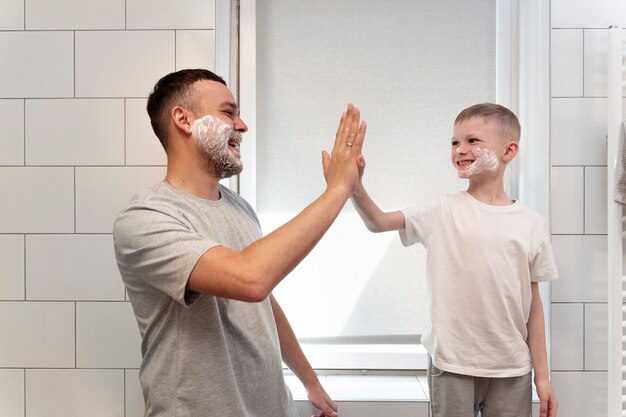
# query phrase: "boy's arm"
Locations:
[[537, 345], [296, 361], [374, 218]]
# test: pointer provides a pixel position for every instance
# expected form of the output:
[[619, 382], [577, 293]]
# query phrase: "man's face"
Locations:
[[217, 128]]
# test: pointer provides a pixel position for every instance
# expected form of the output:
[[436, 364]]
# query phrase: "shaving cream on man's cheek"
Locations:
[[213, 136], [486, 160], [211, 133]]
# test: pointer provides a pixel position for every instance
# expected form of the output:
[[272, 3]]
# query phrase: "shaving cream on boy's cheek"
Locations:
[[486, 160], [213, 137]]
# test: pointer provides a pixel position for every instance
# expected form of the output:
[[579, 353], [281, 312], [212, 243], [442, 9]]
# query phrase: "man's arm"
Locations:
[[537, 344], [252, 273], [296, 361], [374, 218]]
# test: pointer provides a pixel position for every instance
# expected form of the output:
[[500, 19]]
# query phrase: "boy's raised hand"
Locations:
[[343, 167]]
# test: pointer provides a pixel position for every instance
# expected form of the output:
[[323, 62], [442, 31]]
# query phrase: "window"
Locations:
[[411, 67]]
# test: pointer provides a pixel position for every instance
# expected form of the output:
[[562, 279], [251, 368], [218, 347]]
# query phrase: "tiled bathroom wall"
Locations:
[[579, 40], [75, 145]]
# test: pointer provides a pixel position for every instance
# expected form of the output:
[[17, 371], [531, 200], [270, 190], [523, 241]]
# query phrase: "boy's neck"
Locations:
[[489, 192]]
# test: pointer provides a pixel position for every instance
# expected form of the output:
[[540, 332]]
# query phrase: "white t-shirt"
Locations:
[[480, 262]]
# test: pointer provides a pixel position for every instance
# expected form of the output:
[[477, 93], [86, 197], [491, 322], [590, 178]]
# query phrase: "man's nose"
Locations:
[[239, 125]]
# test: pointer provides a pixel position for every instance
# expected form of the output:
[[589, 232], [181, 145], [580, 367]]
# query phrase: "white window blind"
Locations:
[[410, 66]]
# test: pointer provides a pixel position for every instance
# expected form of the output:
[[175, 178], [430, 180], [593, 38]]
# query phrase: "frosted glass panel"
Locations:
[[410, 66]]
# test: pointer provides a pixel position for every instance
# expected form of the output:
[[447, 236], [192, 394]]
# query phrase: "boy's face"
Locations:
[[477, 147]]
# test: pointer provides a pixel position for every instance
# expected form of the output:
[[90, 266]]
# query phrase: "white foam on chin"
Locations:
[[486, 161]]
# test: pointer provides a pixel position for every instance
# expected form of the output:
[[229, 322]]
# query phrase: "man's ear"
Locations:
[[182, 119], [510, 151]]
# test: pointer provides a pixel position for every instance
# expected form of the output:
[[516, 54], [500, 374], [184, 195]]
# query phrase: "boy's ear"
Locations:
[[510, 151]]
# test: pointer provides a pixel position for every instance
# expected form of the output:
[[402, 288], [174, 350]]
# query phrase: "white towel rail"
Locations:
[[617, 330]]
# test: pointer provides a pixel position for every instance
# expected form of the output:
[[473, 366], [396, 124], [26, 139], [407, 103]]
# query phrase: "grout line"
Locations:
[[74, 200], [83, 166], [33, 301], [57, 233], [24, 237], [75, 335], [74, 69], [24, 133], [107, 30], [125, 144]]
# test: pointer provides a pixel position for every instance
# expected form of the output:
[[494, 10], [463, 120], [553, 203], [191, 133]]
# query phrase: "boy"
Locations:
[[485, 257]]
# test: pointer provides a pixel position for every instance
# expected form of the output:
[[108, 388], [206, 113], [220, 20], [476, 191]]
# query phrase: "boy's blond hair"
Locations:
[[504, 118]]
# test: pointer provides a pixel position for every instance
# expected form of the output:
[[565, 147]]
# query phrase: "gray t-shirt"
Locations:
[[202, 355]]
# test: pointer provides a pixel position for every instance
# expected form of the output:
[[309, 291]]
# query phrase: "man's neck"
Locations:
[[193, 179]]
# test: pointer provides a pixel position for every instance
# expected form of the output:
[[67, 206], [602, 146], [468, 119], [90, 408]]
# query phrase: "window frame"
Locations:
[[522, 84]]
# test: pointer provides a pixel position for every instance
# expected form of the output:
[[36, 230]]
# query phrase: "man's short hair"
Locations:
[[505, 119], [174, 90]]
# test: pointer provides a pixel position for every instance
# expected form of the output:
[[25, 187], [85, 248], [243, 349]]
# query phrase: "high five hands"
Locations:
[[344, 166]]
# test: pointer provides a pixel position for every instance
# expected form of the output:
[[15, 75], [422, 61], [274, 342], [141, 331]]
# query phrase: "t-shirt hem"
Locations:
[[483, 373]]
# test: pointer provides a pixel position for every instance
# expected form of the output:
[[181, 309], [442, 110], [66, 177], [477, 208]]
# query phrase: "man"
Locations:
[[200, 276]]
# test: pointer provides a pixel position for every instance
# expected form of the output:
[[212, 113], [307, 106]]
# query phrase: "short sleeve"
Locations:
[[153, 246], [419, 221], [542, 264]]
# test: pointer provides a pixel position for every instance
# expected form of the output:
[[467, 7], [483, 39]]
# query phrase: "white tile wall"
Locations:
[[566, 62], [122, 63], [596, 46], [36, 64], [142, 145], [73, 83], [107, 336], [195, 49], [164, 14], [581, 262], [11, 392], [101, 192], [74, 14], [586, 14], [12, 137], [72, 267], [37, 200], [567, 198], [581, 394], [74, 393], [75, 132], [596, 337], [37, 335], [11, 14], [595, 200], [567, 337], [578, 131], [134, 396], [11, 267]]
